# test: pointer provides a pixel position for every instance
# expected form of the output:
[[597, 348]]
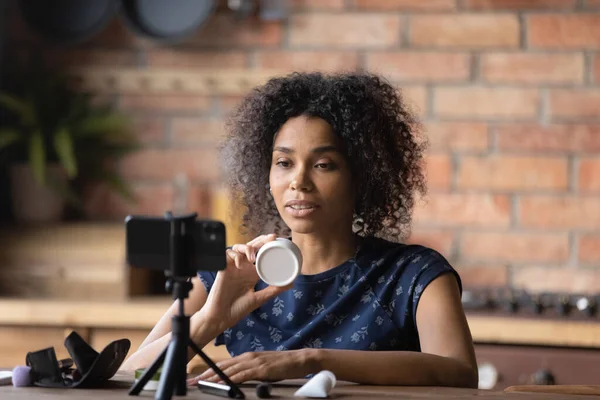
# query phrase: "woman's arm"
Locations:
[[232, 296], [447, 357], [193, 303], [160, 335]]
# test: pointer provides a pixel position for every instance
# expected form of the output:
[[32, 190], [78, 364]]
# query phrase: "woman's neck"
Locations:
[[321, 252]]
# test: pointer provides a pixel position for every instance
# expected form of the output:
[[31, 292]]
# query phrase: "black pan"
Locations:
[[68, 21], [166, 20]]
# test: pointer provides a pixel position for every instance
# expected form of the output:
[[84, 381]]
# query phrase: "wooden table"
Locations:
[[118, 387]]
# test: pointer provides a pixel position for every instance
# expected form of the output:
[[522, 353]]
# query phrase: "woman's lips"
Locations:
[[300, 208]]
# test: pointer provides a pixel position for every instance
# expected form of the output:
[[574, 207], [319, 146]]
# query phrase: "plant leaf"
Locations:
[[8, 136], [115, 182], [23, 109], [37, 156], [100, 124], [63, 145]]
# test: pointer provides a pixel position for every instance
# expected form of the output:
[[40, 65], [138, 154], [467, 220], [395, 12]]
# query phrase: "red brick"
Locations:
[[550, 212], [515, 247], [191, 197], [193, 131], [93, 57], [574, 103], [589, 248], [199, 200], [549, 138], [563, 31], [480, 102], [406, 5], [150, 129], [519, 4], [173, 57], [483, 276], [198, 165], [513, 173], [224, 29], [425, 66], [589, 175], [161, 102], [457, 136], [465, 31], [227, 104], [416, 99], [439, 171], [592, 4], [318, 4], [466, 209], [102, 203], [356, 30], [307, 60], [532, 68], [542, 279], [441, 241]]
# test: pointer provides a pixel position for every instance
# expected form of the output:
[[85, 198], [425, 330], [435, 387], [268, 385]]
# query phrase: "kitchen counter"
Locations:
[[142, 314]]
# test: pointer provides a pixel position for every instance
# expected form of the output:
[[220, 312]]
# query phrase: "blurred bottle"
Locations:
[[273, 10]]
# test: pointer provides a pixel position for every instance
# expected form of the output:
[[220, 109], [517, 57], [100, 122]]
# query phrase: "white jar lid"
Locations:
[[278, 262]]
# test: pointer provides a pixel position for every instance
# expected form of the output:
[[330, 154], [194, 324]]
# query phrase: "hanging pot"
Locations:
[[68, 21], [166, 21]]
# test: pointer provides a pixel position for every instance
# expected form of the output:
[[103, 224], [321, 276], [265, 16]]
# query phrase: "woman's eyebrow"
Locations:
[[283, 149], [318, 150]]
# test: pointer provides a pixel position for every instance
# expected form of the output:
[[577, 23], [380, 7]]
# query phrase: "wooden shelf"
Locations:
[[506, 330], [168, 80], [134, 314]]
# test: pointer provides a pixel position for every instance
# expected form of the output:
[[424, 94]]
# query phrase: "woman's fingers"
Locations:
[[250, 249], [258, 242], [234, 256], [210, 373]]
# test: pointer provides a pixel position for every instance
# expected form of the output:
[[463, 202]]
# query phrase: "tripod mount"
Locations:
[[173, 378]]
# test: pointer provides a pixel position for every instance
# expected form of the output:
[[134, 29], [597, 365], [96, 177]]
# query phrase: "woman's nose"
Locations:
[[301, 181]]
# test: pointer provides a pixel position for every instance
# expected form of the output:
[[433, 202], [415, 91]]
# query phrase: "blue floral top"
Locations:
[[367, 303]]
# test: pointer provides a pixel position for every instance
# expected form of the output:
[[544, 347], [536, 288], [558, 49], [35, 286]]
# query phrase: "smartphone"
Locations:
[[148, 244]]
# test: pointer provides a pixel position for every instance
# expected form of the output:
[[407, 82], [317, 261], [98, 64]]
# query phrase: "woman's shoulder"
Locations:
[[381, 251], [401, 263]]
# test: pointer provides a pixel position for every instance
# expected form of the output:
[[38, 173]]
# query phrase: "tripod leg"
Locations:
[[137, 388], [181, 378], [168, 377], [234, 388]]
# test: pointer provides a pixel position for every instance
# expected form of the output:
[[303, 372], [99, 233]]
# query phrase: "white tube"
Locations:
[[318, 386]]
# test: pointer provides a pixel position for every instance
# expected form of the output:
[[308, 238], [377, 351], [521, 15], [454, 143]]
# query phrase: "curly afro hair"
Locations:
[[381, 136]]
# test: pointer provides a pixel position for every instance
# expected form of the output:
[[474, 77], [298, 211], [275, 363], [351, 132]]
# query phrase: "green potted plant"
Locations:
[[54, 138]]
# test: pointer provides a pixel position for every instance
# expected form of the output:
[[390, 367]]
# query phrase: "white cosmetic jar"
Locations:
[[279, 262]]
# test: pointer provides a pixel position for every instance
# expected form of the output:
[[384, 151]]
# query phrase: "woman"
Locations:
[[334, 162]]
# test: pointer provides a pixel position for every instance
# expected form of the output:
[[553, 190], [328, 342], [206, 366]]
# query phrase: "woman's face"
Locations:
[[310, 178]]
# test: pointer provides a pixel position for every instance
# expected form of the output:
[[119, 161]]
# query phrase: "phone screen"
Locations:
[[148, 242]]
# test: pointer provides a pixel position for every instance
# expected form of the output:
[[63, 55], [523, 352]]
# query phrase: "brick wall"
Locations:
[[508, 91]]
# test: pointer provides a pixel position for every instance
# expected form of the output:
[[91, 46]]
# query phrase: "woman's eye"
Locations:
[[284, 164], [324, 166]]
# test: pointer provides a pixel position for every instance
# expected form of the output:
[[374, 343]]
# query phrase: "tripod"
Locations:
[[174, 373]]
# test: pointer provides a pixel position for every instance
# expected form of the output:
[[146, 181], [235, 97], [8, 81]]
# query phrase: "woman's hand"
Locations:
[[264, 366], [232, 295]]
